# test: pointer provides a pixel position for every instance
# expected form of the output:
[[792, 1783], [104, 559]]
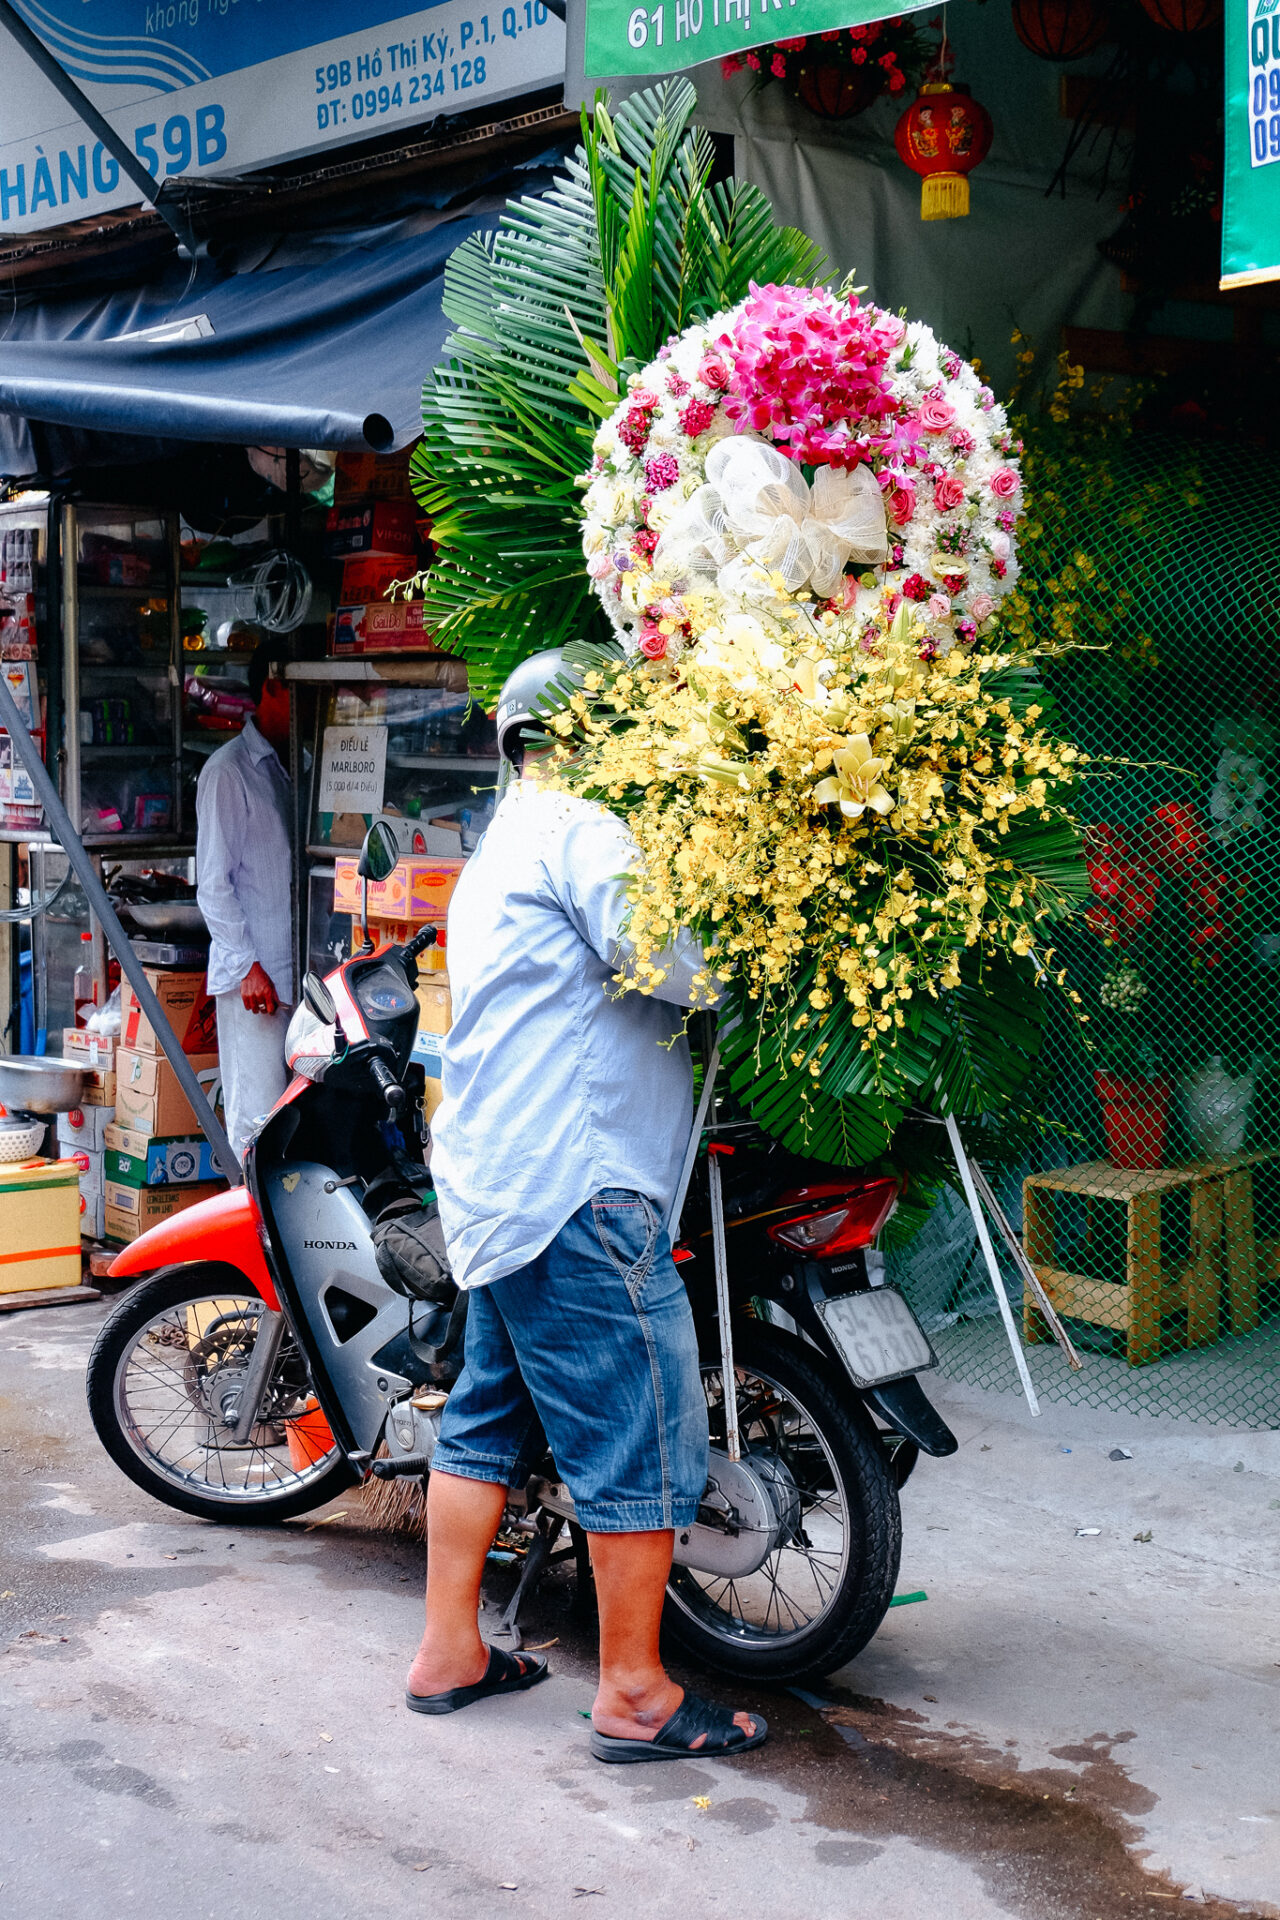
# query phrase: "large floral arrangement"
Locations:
[[800, 521], [699, 480]]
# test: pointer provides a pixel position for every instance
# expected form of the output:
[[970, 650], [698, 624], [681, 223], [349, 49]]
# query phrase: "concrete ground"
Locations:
[[1082, 1721]]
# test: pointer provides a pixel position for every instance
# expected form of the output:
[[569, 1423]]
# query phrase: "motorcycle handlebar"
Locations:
[[392, 1092], [420, 942]]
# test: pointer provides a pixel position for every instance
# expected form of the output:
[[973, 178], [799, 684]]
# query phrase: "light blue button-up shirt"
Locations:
[[243, 872], [556, 1084]]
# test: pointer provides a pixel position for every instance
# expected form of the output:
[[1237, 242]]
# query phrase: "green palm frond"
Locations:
[[549, 312]]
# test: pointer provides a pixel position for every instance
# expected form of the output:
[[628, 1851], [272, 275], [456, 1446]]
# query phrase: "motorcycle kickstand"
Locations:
[[507, 1633]]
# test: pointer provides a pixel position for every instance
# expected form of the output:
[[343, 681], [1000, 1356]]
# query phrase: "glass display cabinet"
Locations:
[[396, 739]]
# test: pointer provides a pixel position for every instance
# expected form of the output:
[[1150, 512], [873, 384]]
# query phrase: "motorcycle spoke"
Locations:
[[171, 1401], [801, 1577]]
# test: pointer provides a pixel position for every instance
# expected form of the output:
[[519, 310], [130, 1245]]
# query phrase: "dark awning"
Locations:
[[314, 340]]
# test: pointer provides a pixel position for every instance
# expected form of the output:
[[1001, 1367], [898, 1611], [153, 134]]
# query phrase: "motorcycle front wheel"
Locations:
[[163, 1381], [821, 1594]]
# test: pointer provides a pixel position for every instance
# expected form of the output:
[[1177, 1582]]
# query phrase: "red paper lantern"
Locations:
[[1183, 16], [942, 136], [1059, 29]]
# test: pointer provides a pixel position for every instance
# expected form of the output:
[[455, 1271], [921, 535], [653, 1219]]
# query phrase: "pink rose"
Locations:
[[938, 607], [600, 566], [935, 414], [962, 440], [981, 605], [902, 504], [714, 372], [893, 327], [948, 492], [1001, 545], [1005, 482], [653, 645], [643, 397]]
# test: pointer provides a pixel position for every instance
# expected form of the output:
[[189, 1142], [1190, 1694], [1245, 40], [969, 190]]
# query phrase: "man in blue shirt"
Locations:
[[243, 885], [557, 1151]]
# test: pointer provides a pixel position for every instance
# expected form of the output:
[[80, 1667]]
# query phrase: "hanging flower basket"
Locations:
[[1060, 29], [839, 74], [1135, 1115]]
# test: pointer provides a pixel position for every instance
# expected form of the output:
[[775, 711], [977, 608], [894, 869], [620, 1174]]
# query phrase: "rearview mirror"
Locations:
[[379, 853], [319, 999]]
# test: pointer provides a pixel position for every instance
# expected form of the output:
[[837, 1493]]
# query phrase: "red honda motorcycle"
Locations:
[[301, 1332]]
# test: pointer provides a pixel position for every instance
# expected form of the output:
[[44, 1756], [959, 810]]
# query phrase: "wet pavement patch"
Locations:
[[1047, 1843]]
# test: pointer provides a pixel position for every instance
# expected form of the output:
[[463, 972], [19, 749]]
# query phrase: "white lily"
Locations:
[[855, 784]]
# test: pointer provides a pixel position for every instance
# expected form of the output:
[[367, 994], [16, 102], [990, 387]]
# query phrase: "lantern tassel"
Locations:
[[944, 196]]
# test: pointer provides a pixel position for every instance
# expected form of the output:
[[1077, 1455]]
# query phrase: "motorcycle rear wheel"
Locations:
[[820, 1596], [164, 1359]]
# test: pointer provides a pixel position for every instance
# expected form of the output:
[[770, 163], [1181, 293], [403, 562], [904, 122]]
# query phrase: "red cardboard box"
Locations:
[[368, 579], [185, 998], [376, 476], [386, 626], [373, 527]]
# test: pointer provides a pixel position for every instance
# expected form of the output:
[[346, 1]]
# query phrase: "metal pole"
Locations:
[[1030, 1278], [130, 965], [993, 1265], [732, 1441], [84, 109]]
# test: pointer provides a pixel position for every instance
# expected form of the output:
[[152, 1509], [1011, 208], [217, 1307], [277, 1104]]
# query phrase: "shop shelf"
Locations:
[[88, 591], [135, 749], [445, 762]]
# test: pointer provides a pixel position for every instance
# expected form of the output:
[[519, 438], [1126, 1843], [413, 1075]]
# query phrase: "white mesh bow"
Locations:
[[756, 503]]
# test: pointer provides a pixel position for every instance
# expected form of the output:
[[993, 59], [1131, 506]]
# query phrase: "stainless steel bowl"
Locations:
[[163, 916], [41, 1083]]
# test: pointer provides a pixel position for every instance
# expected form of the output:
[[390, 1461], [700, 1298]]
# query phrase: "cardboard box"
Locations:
[[93, 1215], [91, 1167], [378, 528], [435, 1005], [381, 626], [186, 1001], [129, 1211], [100, 1090], [84, 1127], [39, 1226], [376, 476], [149, 1098], [88, 1049], [140, 1160], [99, 1056], [419, 888], [366, 579]]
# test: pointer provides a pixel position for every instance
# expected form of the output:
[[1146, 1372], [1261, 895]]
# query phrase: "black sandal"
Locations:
[[505, 1673], [693, 1718]]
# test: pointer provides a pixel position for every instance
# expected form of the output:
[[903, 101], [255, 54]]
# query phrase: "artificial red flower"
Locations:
[[1175, 837]]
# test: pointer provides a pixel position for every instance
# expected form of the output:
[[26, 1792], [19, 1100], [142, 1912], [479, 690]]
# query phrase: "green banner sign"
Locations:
[[671, 34], [1251, 197]]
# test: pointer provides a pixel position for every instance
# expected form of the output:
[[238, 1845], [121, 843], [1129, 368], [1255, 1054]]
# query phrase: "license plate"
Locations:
[[876, 1335]]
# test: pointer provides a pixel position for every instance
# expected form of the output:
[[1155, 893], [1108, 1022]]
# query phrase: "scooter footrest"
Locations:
[[398, 1469]]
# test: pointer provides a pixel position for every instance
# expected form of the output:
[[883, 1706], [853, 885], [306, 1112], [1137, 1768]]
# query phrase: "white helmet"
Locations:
[[522, 691]]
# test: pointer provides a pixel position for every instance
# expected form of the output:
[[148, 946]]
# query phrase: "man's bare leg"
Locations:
[[635, 1696], [462, 1517]]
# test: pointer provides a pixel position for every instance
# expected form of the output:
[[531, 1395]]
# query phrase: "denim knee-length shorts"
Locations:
[[593, 1345]]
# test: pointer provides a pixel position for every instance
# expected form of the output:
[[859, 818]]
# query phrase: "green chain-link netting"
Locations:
[[1151, 1209]]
